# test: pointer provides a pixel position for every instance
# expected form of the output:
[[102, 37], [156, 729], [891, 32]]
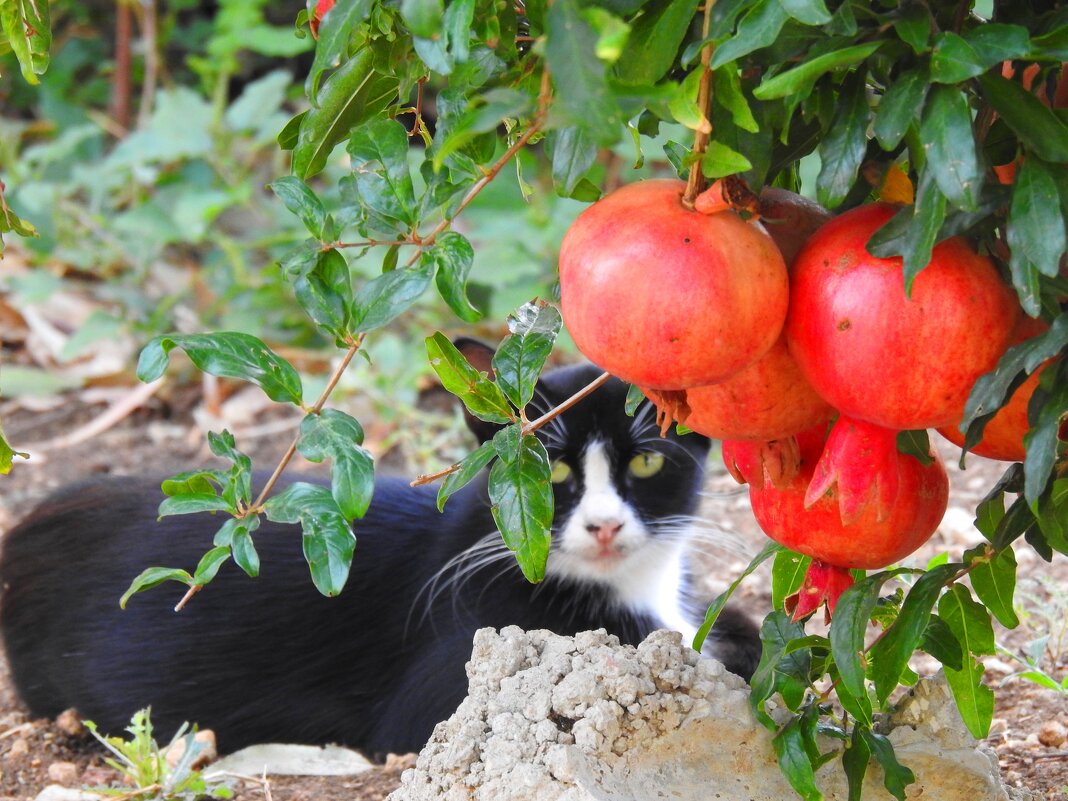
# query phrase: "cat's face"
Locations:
[[623, 493]]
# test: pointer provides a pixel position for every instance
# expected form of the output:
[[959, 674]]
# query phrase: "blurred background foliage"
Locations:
[[150, 202]]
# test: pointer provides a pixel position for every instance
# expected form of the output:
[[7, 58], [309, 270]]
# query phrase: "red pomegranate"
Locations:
[[816, 529], [669, 298], [769, 399], [878, 355], [1004, 432]]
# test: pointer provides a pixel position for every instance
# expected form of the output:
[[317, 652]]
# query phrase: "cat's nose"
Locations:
[[604, 532]]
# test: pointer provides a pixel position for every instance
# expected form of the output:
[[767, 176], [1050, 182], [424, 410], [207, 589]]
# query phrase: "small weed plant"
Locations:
[[146, 769]]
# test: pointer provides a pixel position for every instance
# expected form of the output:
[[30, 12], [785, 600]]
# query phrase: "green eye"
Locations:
[[647, 465], [561, 472]]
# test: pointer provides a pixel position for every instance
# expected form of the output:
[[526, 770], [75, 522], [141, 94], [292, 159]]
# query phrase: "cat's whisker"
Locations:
[[732, 492]]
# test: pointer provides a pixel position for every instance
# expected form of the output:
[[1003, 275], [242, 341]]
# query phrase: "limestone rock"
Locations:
[[551, 718]]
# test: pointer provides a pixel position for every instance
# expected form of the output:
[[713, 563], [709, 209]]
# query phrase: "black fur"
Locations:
[[271, 659]]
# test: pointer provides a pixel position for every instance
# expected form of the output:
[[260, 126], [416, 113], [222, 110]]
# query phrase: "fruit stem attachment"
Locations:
[[695, 184]]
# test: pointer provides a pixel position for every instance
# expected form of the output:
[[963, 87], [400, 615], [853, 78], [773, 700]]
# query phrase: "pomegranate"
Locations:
[[317, 16], [878, 355], [1004, 432], [753, 462], [669, 298], [816, 528], [769, 399]]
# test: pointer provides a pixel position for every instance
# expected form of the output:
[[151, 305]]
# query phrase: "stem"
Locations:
[[354, 347], [696, 182], [528, 428]]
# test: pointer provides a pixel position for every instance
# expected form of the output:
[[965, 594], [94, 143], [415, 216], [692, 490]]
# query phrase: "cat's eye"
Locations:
[[561, 472], [647, 464]]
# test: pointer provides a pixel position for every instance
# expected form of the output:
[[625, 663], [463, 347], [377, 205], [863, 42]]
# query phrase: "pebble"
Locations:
[[70, 723], [65, 773], [1052, 734], [19, 749]]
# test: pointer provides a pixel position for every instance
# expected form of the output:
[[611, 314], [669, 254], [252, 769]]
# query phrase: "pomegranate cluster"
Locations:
[[789, 341]]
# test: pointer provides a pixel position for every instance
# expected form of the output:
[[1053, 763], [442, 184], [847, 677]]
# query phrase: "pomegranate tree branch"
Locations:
[[696, 180]]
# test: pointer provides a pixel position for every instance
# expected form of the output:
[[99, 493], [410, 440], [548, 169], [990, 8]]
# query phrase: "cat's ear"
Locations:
[[480, 356]]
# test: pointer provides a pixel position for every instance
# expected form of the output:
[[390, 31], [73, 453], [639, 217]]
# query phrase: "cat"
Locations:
[[270, 659]]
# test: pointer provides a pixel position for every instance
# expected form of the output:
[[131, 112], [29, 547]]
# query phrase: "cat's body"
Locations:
[[377, 667]]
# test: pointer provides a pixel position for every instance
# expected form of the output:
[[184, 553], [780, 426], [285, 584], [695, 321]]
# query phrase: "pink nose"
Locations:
[[604, 532]]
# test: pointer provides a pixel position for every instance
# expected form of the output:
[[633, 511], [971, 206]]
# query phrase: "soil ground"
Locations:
[[1030, 721]]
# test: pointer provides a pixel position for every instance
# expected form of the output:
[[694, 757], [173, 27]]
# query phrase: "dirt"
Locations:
[[1028, 734]]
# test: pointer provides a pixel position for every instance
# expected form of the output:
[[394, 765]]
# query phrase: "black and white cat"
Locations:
[[377, 667]]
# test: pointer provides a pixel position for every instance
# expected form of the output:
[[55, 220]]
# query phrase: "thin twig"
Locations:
[[114, 414], [354, 348], [193, 590], [529, 428], [696, 180]]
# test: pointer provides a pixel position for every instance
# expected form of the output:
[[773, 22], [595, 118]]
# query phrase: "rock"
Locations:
[[70, 723], [551, 718], [19, 748], [290, 760], [1052, 734], [65, 773], [54, 792]]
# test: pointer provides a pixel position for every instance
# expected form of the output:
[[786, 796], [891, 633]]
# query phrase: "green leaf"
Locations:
[[481, 397], [727, 93], [1041, 441], [913, 232], [452, 256], [1036, 234], [28, 31], [300, 200], [323, 288], [244, 551], [329, 543], [778, 671], [913, 27], [759, 28], [153, 577], [423, 17], [1052, 46], [994, 388], [574, 152], [1053, 515], [900, 107], [384, 298], [654, 42], [941, 643], [379, 153], [947, 136], [352, 95], [970, 622], [485, 117], [807, 12], [917, 444], [720, 160], [994, 581], [787, 574], [842, 151], [716, 607], [226, 354], [896, 777], [193, 503], [800, 79], [580, 76], [988, 515], [334, 435], [855, 761], [521, 356], [849, 625], [470, 466], [995, 42], [792, 752], [1038, 127], [521, 499], [209, 565], [333, 44], [891, 654], [635, 397], [953, 60], [7, 454], [975, 701]]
